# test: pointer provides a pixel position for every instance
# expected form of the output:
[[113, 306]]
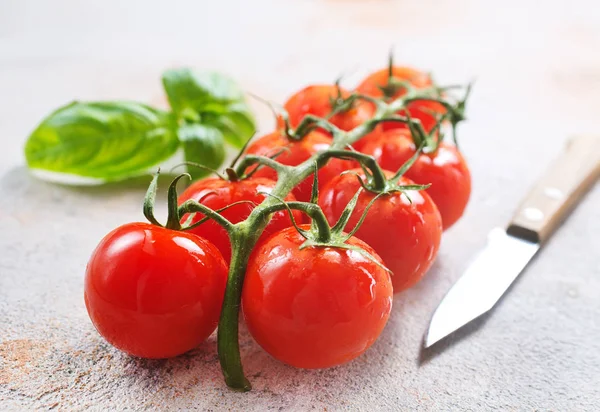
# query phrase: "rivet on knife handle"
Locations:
[[563, 185]]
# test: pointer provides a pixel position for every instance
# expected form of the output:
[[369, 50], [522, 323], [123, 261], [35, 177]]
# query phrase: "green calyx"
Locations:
[[173, 212], [372, 178], [455, 111], [310, 122], [321, 234], [280, 112], [337, 238], [393, 85], [339, 103]]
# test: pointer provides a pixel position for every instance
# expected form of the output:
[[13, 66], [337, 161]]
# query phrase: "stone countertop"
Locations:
[[537, 71]]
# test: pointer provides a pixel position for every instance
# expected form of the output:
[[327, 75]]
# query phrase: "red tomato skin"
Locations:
[[446, 170], [154, 292], [315, 100], [317, 307], [298, 152], [226, 193], [406, 236], [362, 142], [419, 109]]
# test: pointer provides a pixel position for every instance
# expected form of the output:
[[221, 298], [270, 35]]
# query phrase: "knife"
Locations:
[[508, 251]]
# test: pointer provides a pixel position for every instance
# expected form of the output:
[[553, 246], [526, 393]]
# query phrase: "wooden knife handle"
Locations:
[[568, 179]]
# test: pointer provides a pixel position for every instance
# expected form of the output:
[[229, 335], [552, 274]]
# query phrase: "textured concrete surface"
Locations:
[[538, 81]]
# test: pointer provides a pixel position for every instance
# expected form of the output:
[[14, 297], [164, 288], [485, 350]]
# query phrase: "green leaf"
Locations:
[[210, 98], [237, 126], [202, 144], [201, 91], [110, 141]]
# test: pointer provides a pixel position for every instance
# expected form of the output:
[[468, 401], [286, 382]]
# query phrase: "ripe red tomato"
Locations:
[[154, 292], [421, 109], [217, 193], [298, 152], [406, 235], [316, 307], [446, 170], [359, 144], [316, 100]]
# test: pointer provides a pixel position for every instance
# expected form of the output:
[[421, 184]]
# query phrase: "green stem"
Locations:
[[150, 200], [207, 218], [310, 122], [250, 160], [227, 335], [192, 206], [379, 179], [312, 210], [318, 219], [232, 175], [244, 235], [173, 213]]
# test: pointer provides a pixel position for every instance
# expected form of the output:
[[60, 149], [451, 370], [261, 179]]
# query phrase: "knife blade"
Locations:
[[508, 251]]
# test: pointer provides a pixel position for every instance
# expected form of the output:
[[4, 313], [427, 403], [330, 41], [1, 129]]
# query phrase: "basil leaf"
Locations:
[[237, 126], [110, 141], [213, 99], [190, 88], [202, 144]]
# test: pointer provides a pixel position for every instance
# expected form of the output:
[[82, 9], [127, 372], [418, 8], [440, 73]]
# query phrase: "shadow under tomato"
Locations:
[[371, 369], [396, 348], [196, 368]]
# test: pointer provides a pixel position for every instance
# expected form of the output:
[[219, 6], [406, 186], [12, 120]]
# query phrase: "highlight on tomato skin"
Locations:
[[295, 152], [317, 307], [445, 169], [217, 193], [423, 110], [154, 292], [406, 234]]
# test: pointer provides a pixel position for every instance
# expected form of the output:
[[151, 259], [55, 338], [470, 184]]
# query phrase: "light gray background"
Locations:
[[538, 81]]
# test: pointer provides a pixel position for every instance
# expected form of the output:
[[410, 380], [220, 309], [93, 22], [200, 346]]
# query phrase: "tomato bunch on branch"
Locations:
[[309, 234]]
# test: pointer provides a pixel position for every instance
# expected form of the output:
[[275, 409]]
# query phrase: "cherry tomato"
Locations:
[[446, 170], [217, 193], [359, 144], [316, 100], [406, 235], [421, 109], [316, 307], [154, 292], [298, 152]]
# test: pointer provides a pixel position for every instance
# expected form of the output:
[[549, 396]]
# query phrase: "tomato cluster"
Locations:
[[310, 298]]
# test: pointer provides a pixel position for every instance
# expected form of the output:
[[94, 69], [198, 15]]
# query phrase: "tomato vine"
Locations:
[[244, 235]]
